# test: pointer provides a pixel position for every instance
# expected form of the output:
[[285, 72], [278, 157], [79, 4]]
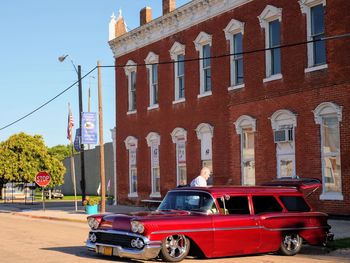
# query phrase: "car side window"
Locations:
[[234, 205], [295, 203], [266, 204]]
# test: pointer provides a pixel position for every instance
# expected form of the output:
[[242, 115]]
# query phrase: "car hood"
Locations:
[[122, 221]]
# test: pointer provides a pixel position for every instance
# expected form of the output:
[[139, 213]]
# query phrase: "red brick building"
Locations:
[[255, 89]]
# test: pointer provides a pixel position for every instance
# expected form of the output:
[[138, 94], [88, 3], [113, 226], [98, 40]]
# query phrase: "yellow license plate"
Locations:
[[107, 251]]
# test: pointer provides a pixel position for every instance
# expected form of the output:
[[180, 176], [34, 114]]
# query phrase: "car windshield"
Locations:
[[188, 201]]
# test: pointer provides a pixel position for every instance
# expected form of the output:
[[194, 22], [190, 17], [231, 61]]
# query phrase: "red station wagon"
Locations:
[[213, 222]]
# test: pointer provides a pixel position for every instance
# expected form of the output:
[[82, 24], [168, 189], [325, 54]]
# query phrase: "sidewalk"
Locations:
[[65, 211]]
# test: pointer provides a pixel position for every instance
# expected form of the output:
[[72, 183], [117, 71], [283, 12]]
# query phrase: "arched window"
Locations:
[[205, 134], [316, 51], [131, 146], [328, 115], [179, 137], [130, 71], [151, 64], [270, 19], [177, 53], [234, 33], [246, 127], [283, 124], [203, 46], [153, 142]]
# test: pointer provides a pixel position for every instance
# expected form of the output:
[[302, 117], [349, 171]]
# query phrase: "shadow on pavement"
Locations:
[[83, 252]]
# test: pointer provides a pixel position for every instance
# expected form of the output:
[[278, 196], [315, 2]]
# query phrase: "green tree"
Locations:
[[61, 151], [22, 156]]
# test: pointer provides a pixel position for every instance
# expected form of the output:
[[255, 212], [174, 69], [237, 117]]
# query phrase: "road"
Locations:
[[36, 240]]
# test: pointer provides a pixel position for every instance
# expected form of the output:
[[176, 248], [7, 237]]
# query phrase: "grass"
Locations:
[[339, 243], [65, 198]]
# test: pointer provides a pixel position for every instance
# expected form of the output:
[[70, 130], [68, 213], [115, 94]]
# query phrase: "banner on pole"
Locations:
[[89, 131], [77, 140]]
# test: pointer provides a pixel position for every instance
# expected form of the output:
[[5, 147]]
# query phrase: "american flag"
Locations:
[[70, 124]]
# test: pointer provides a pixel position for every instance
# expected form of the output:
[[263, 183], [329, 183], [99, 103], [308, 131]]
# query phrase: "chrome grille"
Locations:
[[113, 239]]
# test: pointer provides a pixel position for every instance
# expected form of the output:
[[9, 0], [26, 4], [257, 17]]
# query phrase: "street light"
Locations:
[[82, 159]]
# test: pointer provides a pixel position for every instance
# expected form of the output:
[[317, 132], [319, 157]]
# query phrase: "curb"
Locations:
[[49, 217]]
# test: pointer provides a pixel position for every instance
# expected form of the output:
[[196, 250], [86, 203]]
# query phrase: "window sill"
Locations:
[[316, 68], [179, 101], [155, 195], [273, 77], [331, 196], [240, 86], [131, 112], [152, 107], [133, 195], [205, 94]]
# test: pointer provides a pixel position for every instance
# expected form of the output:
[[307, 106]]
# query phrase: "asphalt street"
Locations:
[[27, 239]]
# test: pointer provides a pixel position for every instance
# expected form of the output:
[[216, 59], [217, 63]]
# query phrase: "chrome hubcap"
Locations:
[[176, 245], [291, 242]]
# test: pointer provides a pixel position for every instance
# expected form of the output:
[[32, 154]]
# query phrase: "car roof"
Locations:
[[217, 190]]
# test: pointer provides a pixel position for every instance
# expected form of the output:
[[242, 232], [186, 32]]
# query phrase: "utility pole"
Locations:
[[102, 154], [82, 159]]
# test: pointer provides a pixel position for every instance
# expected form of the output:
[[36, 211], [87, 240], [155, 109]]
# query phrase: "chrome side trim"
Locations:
[[236, 229], [206, 229], [295, 228]]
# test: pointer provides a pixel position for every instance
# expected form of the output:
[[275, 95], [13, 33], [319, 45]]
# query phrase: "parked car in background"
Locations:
[[55, 194], [214, 222]]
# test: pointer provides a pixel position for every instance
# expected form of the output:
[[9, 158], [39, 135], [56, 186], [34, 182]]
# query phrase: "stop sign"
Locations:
[[42, 179]]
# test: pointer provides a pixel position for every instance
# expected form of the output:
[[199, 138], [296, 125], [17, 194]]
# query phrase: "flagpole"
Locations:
[[102, 155], [72, 165]]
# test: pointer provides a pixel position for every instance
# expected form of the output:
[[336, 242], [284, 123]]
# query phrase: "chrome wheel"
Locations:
[[291, 244], [175, 248]]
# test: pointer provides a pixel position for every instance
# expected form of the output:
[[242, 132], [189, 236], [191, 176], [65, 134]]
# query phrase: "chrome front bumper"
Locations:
[[148, 252]]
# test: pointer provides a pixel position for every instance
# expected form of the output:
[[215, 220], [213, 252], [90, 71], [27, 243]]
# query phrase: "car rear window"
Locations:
[[295, 203], [266, 204]]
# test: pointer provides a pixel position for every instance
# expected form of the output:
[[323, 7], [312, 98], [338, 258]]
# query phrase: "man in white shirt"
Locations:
[[202, 178]]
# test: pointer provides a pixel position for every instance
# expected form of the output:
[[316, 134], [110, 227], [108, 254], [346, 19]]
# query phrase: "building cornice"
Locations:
[[180, 19]]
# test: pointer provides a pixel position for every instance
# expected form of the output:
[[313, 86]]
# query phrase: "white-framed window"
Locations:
[[153, 142], [130, 71], [283, 124], [177, 53], [152, 66], [131, 146], [246, 128], [234, 33], [203, 44], [328, 115], [315, 28], [205, 134], [270, 19], [179, 137]]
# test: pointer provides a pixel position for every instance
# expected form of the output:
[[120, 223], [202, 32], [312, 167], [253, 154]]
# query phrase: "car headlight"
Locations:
[[93, 223], [137, 227]]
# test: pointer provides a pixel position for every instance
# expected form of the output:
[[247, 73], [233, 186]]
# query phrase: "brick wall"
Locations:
[[298, 92]]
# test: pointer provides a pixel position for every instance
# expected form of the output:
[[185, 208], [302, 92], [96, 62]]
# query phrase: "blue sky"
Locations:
[[33, 35]]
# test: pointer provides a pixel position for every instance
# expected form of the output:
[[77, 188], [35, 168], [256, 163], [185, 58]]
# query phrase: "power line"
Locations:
[[335, 37], [49, 101], [234, 54]]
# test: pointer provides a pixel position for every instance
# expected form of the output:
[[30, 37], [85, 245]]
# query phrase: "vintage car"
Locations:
[[213, 222], [54, 194]]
